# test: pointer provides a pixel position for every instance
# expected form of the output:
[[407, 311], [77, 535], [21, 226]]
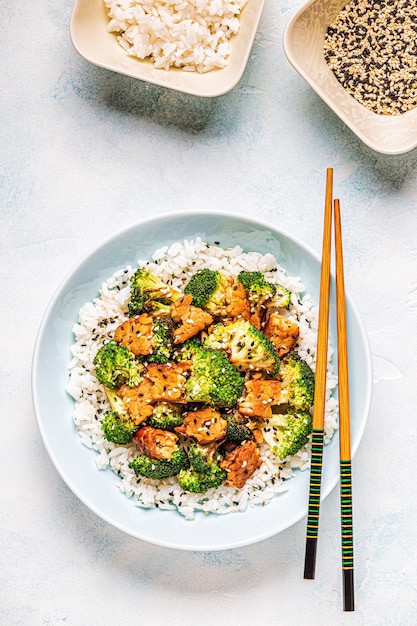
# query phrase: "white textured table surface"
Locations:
[[85, 151]]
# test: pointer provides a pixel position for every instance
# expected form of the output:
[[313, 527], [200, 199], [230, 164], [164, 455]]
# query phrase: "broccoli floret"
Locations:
[[185, 351], [213, 379], [145, 288], [116, 365], [282, 297], [208, 290], [199, 482], [157, 469], [166, 416], [117, 430], [247, 347], [198, 459], [116, 403], [287, 433], [297, 382], [156, 308], [162, 339], [202, 457], [257, 288], [237, 430]]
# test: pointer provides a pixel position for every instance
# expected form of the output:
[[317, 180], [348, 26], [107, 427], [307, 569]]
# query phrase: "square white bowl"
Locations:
[[303, 43], [94, 43]]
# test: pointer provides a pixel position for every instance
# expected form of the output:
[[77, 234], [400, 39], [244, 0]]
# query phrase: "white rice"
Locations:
[[191, 34], [97, 322]]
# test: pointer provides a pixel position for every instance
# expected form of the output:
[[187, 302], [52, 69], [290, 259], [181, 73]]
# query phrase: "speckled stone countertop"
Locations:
[[84, 152]]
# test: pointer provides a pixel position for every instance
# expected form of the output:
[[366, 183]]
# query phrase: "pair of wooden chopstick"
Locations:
[[320, 401]]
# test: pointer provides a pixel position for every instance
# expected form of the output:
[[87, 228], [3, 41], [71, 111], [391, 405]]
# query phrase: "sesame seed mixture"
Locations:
[[371, 47]]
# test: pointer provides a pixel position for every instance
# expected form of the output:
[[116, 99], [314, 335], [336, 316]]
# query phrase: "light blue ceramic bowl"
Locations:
[[53, 407]]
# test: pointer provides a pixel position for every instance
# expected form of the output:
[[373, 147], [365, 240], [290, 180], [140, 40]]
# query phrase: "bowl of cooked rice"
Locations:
[[183, 442], [359, 57], [199, 47]]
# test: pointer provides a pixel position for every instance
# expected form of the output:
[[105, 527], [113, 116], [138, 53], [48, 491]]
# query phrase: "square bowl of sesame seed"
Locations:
[[360, 57]]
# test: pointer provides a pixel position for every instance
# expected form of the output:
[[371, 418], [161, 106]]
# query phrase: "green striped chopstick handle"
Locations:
[[346, 512], [314, 502], [347, 532], [315, 483]]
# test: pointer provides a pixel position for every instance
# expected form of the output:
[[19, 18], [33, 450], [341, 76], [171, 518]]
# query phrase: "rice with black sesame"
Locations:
[[97, 322]]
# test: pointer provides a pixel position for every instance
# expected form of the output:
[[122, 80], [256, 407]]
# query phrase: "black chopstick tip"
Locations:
[[348, 590], [310, 558]]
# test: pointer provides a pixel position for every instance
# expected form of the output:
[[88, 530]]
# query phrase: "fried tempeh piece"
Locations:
[[167, 380], [138, 400], [136, 334], [260, 395], [155, 442], [191, 318], [241, 463], [237, 303], [282, 332], [204, 425]]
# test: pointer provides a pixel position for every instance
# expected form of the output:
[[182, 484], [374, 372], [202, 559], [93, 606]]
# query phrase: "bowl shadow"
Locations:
[[162, 105]]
